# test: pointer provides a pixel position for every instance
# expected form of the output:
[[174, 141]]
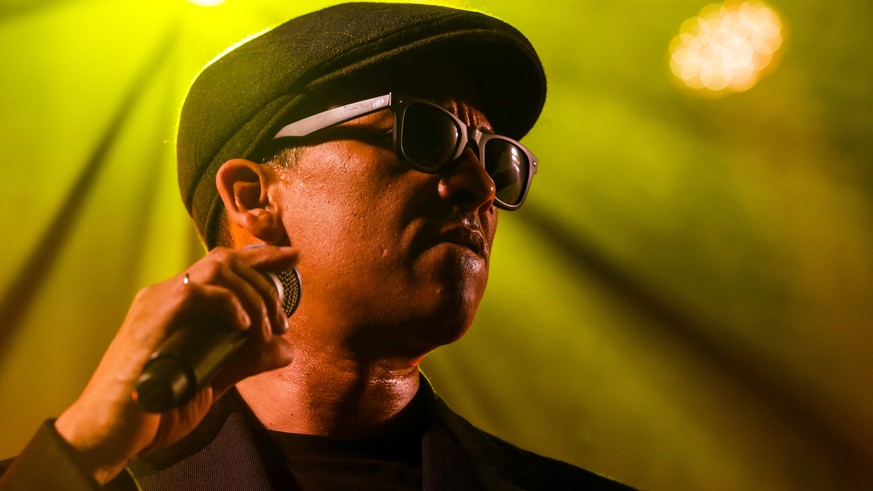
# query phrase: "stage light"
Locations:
[[727, 47], [207, 3]]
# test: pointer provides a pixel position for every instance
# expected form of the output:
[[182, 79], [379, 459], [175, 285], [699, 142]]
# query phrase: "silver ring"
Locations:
[[185, 280]]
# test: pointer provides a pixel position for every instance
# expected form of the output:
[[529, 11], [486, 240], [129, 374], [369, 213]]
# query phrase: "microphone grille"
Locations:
[[292, 288]]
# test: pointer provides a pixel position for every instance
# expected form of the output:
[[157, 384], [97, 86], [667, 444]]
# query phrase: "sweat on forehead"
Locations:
[[239, 101]]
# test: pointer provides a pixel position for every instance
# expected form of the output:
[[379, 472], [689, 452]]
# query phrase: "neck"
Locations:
[[332, 394]]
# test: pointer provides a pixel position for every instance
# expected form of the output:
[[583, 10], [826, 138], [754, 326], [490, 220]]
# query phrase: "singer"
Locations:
[[371, 147]]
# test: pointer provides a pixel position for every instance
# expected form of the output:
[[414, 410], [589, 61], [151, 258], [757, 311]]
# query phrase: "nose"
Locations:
[[467, 185]]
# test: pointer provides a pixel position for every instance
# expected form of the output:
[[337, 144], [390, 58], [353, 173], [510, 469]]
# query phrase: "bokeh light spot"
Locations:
[[727, 46]]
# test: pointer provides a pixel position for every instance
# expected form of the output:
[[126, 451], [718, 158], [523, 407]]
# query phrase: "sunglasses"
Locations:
[[428, 138]]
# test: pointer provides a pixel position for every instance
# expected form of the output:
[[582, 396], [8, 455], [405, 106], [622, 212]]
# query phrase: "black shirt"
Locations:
[[327, 463]]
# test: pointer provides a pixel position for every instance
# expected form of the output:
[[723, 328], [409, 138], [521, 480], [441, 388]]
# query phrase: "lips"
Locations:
[[467, 237]]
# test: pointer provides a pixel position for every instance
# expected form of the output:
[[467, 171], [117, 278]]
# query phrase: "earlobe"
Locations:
[[243, 185]]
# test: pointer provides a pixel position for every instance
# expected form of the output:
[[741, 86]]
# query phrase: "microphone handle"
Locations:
[[191, 355]]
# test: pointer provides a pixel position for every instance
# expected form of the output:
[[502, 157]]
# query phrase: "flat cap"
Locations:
[[241, 99]]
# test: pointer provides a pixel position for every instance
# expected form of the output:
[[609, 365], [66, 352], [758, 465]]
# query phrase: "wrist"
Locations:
[[89, 452]]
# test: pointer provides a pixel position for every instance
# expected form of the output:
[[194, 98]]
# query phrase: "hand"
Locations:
[[106, 426]]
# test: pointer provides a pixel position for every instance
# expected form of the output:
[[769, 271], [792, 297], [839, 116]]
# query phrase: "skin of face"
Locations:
[[394, 261]]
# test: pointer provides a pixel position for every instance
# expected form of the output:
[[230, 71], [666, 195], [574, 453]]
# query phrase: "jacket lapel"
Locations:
[[456, 455]]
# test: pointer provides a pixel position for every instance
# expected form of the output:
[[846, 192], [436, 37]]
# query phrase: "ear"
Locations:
[[243, 186]]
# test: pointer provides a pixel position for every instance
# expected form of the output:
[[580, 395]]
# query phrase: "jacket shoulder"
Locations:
[[520, 467]]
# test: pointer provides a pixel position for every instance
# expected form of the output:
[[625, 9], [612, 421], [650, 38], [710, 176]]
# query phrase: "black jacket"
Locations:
[[225, 452]]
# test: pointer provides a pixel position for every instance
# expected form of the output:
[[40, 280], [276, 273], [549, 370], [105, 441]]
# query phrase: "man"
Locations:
[[358, 144]]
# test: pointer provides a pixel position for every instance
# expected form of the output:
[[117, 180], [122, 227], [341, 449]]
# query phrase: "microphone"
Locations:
[[192, 355]]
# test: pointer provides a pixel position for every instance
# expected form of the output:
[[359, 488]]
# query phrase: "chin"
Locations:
[[452, 320], [432, 337]]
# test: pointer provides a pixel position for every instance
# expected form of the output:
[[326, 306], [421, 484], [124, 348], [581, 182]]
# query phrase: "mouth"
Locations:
[[466, 237]]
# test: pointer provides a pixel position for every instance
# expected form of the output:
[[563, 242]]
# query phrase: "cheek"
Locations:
[[344, 212], [489, 226]]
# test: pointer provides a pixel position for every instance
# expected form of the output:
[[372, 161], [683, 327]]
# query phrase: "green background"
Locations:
[[685, 301]]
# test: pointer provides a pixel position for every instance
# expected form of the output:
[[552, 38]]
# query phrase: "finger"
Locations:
[[270, 258], [222, 268], [260, 260], [204, 301], [275, 319]]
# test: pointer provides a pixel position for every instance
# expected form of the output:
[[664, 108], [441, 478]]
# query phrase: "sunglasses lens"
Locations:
[[508, 167], [430, 137]]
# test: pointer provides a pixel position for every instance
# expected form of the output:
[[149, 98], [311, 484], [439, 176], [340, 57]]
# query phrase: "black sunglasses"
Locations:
[[427, 137]]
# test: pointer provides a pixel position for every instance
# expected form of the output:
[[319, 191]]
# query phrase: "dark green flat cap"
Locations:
[[240, 100]]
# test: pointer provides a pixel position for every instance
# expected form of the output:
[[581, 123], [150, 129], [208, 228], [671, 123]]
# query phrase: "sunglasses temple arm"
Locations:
[[322, 120]]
